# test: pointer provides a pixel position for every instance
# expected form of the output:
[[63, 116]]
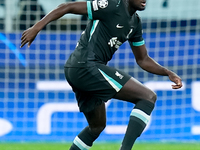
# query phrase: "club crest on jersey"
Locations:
[[102, 3]]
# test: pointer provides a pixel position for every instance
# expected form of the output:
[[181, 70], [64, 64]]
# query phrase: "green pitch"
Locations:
[[100, 146]]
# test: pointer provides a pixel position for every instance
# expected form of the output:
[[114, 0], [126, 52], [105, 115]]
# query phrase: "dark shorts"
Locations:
[[94, 85]]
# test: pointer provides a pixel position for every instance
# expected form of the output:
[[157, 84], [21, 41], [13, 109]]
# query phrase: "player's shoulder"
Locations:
[[137, 17], [105, 3], [109, 1]]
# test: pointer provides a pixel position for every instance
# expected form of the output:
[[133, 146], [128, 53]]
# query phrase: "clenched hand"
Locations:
[[176, 79]]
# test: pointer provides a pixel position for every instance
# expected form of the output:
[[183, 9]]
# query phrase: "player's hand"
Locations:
[[28, 36], [176, 79]]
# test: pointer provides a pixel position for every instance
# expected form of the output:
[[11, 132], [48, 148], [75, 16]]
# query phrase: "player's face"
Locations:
[[138, 4]]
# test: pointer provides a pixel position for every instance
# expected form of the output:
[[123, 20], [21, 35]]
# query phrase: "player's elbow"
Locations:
[[66, 8], [143, 61], [140, 62], [62, 5]]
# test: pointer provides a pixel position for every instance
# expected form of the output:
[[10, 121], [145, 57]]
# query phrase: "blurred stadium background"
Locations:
[[36, 103]]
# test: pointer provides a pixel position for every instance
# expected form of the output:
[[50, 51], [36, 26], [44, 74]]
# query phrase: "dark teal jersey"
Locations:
[[109, 27]]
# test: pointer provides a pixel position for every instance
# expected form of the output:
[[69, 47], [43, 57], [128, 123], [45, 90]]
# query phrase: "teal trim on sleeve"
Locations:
[[138, 43], [89, 10]]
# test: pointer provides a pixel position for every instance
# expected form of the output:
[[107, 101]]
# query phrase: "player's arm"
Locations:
[[150, 65], [73, 8]]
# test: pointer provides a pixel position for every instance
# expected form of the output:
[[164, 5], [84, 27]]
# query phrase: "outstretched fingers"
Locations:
[[23, 42], [23, 39], [28, 36]]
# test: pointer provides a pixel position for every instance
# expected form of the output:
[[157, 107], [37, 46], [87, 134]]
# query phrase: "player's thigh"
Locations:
[[97, 117], [133, 91]]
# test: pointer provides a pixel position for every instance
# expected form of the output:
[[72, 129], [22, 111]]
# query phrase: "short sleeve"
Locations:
[[100, 9], [137, 39]]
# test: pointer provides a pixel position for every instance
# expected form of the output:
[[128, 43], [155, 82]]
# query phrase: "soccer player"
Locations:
[[112, 22]]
